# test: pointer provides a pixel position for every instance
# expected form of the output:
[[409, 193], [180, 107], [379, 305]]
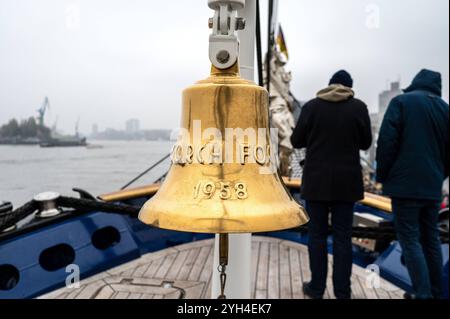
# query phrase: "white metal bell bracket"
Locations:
[[223, 42]]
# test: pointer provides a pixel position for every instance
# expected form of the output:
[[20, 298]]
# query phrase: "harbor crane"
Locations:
[[43, 109]]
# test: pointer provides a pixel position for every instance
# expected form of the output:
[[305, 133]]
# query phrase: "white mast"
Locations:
[[238, 284]]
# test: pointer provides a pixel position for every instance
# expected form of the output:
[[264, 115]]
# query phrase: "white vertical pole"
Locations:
[[240, 246], [247, 38]]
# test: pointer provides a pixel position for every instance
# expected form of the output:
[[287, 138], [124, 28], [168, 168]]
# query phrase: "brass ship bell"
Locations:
[[223, 177]]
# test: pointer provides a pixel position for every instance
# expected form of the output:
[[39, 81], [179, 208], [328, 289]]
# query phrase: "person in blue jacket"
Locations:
[[412, 165]]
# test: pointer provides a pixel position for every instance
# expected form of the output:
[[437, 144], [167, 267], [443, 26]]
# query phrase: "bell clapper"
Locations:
[[224, 249]]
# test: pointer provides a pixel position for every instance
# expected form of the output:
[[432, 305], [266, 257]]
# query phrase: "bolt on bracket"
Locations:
[[223, 42]]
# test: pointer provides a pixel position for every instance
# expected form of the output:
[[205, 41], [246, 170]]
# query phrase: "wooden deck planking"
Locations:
[[254, 268], [329, 292], [273, 289], [189, 263], [207, 294], [165, 266], [206, 275], [199, 263], [382, 294], [296, 274], [357, 290], [128, 272], [279, 269], [105, 293], [141, 270], [154, 267], [263, 272], [177, 264], [285, 273], [122, 295], [370, 293]]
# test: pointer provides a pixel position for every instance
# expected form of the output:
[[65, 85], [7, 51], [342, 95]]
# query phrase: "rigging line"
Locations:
[[259, 45], [269, 45], [146, 172]]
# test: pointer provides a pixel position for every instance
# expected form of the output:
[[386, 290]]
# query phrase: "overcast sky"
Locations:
[[106, 61]]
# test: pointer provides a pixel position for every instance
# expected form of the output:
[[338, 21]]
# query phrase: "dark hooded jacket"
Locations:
[[413, 150], [333, 128]]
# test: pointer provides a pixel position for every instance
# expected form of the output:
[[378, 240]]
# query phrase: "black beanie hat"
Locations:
[[342, 77]]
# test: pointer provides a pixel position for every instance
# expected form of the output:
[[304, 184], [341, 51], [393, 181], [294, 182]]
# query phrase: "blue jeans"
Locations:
[[416, 223], [342, 227]]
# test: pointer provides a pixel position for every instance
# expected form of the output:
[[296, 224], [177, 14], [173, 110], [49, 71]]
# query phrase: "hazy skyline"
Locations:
[[106, 61]]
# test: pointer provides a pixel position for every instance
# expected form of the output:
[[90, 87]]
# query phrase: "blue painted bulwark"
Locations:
[[41, 257], [446, 274], [392, 268], [35, 263]]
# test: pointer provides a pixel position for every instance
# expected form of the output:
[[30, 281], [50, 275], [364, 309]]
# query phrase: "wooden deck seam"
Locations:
[[209, 263], [256, 269], [206, 260], [193, 264], [285, 273]]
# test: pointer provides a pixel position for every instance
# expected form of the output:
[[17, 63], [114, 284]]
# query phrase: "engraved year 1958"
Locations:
[[225, 190]]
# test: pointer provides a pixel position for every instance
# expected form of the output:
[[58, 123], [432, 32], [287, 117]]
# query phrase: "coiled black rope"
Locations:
[[9, 220], [83, 206], [79, 205]]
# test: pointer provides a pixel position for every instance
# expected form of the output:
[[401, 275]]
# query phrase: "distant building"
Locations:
[[384, 100], [94, 130], [132, 126]]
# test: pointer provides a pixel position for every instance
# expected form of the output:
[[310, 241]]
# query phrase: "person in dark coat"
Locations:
[[333, 128], [412, 164]]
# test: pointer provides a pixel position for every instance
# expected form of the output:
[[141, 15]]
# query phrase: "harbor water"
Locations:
[[104, 167]]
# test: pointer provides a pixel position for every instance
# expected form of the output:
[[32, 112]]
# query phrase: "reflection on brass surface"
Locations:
[[132, 193]]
